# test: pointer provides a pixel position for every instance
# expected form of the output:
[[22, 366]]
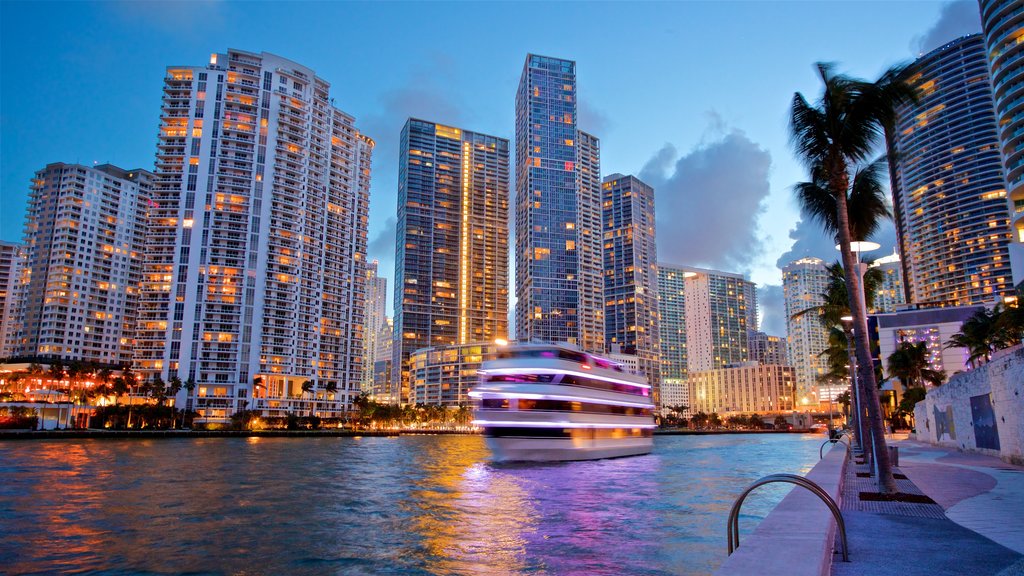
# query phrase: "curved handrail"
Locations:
[[833, 441], [733, 525]]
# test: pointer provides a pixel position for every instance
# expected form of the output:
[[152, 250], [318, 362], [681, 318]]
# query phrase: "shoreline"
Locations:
[[343, 433]]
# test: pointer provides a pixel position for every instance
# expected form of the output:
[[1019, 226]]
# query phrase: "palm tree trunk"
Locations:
[[865, 367], [855, 411]]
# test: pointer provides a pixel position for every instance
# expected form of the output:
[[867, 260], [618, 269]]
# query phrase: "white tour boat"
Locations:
[[549, 402]]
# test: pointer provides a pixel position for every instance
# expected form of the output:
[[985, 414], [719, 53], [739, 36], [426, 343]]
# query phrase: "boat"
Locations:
[[552, 402]]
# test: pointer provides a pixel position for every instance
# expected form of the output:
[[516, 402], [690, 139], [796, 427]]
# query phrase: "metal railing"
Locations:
[[733, 525], [837, 439]]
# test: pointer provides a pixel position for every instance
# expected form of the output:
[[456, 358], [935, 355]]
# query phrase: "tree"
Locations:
[[980, 335], [331, 387], [174, 386], [699, 420], [836, 138], [714, 420], [910, 364], [309, 386], [781, 422]]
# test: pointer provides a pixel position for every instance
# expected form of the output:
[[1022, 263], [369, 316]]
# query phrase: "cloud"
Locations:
[[382, 247], [591, 120], [957, 18], [708, 201], [809, 240], [771, 305]]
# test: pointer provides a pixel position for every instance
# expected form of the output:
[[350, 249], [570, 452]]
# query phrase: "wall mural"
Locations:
[[944, 423], [986, 434]]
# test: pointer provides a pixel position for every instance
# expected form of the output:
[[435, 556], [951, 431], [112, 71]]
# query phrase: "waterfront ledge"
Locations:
[[796, 538]]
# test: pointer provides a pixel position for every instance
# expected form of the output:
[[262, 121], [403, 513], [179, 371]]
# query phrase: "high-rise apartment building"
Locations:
[[12, 263], [672, 327], [891, 293], [1003, 25], [720, 310], [85, 230], [375, 315], [748, 387], [255, 261], [947, 181], [804, 284], [559, 281], [768, 349], [631, 273], [451, 258]]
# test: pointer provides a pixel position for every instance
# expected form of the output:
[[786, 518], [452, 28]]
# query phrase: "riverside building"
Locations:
[[631, 274], [12, 263], [444, 375], [559, 282], [1003, 24], [85, 233], [804, 283], [672, 327], [949, 194], [254, 278], [451, 257], [720, 309], [747, 387], [890, 293], [375, 315]]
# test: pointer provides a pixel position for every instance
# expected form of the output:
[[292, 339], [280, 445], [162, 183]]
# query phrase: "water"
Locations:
[[408, 505]]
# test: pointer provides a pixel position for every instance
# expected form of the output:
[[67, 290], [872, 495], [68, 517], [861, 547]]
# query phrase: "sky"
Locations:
[[690, 96]]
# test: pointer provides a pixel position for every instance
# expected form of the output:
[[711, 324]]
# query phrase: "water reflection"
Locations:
[[411, 505]]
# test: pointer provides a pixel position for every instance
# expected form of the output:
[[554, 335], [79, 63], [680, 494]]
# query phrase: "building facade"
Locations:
[[748, 387], [12, 265], [804, 284], [768, 349], [721, 311], [933, 326], [672, 327], [949, 194], [444, 375], [1003, 24], [85, 232], [375, 317], [891, 292], [559, 281], [255, 264], [451, 259], [631, 274]]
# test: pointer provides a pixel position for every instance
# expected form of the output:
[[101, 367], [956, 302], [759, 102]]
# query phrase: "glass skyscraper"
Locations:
[[451, 257], [949, 196], [559, 281], [1003, 25], [804, 284]]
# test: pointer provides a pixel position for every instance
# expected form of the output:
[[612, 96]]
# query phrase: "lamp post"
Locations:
[[858, 248]]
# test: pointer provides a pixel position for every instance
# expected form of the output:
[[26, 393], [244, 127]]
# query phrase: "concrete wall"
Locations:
[[946, 415]]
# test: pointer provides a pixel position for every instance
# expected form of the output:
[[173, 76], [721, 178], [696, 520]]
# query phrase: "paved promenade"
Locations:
[[975, 526]]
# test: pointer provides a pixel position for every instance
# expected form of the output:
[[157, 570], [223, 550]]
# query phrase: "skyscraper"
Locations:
[[12, 263], [631, 273], [804, 283], [768, 349], [891, 293], [255, 265], [1003, 24], [84, 243], [451, 258], [559, 281], [947, 181], [376, 306], [672, 328], [720, 309]]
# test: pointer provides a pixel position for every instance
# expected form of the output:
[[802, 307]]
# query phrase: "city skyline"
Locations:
[[711, 121]]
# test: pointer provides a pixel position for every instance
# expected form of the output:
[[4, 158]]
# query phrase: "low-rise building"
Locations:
[[444, 375], [746, 387]]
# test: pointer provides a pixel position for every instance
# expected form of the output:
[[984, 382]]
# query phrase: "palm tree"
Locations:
[[836, 138], [980, 335], [910, 364], [331, 387], [309, 386]]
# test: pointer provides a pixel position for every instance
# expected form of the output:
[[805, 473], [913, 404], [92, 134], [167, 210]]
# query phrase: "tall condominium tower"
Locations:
[[376, 306], [720, 309], [631, 273], [804, 283], [255, 265], [12, 263], [451, 257], [672, 328], [891, 293], [84, 243], [768, 349], [1003, 25], [947, 181], [559, 280]]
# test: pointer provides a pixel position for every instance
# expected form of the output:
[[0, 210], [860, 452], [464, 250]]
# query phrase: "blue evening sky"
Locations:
[[693, 96]]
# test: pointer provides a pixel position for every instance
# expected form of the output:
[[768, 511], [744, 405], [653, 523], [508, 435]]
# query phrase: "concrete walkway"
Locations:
[[976, 525]]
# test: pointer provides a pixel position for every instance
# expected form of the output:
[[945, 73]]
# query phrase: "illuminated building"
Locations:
[[891, 293], [747, 387], [375, 320], [12, 264], [631, 274], [84, 243], [949, 195], [672, 328], [255, 261], [1003, 25], [444, 375], [933, 326], [451, 257], [767, 349], [804, 284], [720, 308], [559, 281]]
